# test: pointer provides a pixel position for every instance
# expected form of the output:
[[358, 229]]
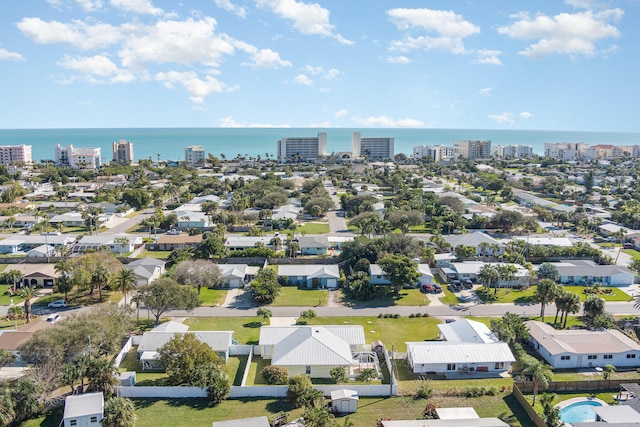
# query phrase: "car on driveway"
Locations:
[[437, 288], [57, 304], [467, 284], [53, 318]]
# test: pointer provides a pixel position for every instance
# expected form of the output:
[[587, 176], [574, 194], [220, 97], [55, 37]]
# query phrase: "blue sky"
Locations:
[[485, 64]]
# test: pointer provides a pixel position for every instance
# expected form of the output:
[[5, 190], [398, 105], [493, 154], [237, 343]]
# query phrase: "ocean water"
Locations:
[[169, 143]]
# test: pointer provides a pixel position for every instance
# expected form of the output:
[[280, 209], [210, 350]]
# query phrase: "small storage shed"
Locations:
[[127, 379], [344, 401]]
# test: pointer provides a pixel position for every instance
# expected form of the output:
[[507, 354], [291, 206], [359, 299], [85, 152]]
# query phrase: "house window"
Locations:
[[565, 357], [608, 356], [451, 367], [307, 370], [73, 422], [94, 419], [499, 365], [592, 356], [631, 356]]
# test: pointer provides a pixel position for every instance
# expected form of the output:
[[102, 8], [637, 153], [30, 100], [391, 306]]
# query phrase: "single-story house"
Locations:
[[287, 211], [575, 349], [75, 219], [238, 243], [444, 260], [203, 199], [24, 243], [470, 270], [485, 245], [466, 330], [151, 341], [26, 220], [313, 245], [235, 275], [426, 277], [147, 269], [587, 272], [42, 251], [188, 219], [377, 275], [12, 340], [311, 275], [312, 350], [459, 357], [244, 422], [83, 410], [120, 243], [338, 241], [563, 242], [609, 228], [168, 242], [40, 275]]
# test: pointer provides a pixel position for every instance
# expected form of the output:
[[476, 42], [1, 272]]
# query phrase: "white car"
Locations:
[[53, 318], [57, 304]]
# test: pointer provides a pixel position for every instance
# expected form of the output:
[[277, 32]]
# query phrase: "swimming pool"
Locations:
[[579, 412]]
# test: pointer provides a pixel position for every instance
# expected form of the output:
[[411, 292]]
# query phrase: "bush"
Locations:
[[339, 374], [367, 375], [274, 375], [301, 391], [424, 391]]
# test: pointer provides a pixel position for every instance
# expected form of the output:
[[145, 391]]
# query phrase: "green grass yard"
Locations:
[[155, 254], [635, 255], [246, 329], [212, 297], [525, 296], [314, 228], [292, 296], [5, 298], [406, 297]]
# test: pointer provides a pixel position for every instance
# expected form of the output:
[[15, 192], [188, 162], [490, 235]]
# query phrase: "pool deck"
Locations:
[[573, 400]]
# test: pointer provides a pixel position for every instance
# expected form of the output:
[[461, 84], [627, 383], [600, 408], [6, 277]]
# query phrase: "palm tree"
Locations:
[[294, 247], [539, 372], [119, 412], [507, 272], [265, 313], [100, 278], [102, 375], [545, 293], [489, 274], [573, 305], [27, 294], [125, 281], [275, 242]]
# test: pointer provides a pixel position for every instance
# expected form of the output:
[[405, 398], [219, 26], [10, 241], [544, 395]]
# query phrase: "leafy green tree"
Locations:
[[119, 412], [301, 392], [400, 270], [510, 328], [308, 315], [211, 376], [545, 293], [124, 281], [360, 287], [608, 371], [182, 355], [548, 271], [489, 275], [318, 417], [265, 286], [166, 294], [136, 198], [7, 410], [28, 395], [199, 273], [551, 413], [338, 374], [212, 247], [275, 375], [265, 313]]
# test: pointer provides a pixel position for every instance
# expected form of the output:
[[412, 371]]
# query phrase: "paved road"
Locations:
[[337, 224]]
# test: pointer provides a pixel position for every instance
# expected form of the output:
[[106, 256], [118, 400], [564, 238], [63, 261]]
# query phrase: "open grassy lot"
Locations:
[[407, 297], [292, 296], [212, 297], [82, 298], [525, 296], [314, 228], [246, 329], [154, 254]]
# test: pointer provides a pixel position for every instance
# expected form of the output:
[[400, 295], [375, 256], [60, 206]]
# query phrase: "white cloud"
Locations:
[[141, 7], [384, 121], [312, 70], [77, 33], [266, 58], [448, 29], [90, 5], [486, 91], [230, 7], [198, 88], [181, 42], [503, 118], [400, 59], [486, 56], [340, 113], [97, 69], [10, 56], [525, 115], [309, 19], [564, 34], [332, 73], [302, 79], [230, 122]]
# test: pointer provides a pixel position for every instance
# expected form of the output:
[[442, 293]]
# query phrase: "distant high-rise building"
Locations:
[[565, 150], [472, 150], [122, 151], [437, 153], [302, 149], [194, 155], [512, 151], [77, 158], [373, 148], [16, 155], [606, 151]]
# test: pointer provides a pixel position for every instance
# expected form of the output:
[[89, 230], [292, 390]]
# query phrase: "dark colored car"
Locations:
[[456, 286], [467, 284], [437, 288], [427, 288]]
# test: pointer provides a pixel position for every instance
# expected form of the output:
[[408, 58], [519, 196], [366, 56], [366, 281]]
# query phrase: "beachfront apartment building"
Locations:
[[512, 151], [606, 151], [77, 158], [438, 153], [302, 149], [16, 155], [194, 155], [122, 151], [372, 148], [566, 151], [472, 150]]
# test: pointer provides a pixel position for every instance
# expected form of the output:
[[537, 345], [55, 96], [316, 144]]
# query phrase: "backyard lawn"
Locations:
[[155, 254], [292, 296], [313, 228], [246, 329]]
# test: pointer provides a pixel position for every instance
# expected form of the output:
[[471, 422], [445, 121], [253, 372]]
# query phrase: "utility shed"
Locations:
[[344, 401], [84, 410]]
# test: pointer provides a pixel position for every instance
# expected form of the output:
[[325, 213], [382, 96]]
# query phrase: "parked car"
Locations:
[[57, 304], [455, 286], [173, 232], [427, 288], [53, 318], [437, 288], [467, 284], [628, 246]]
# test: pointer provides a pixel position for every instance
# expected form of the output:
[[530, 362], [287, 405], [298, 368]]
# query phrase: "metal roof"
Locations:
[[431, 352], [352, 334], [312, 346], [83, 405], [310, 270], [466, 330]]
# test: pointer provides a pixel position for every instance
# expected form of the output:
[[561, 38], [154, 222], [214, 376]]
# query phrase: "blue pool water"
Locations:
[[579, 412]]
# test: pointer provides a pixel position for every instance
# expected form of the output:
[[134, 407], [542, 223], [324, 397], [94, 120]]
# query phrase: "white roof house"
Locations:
[[234, 274], [475, 239], [472, 422], [109, 241], [588, 272], [311, 350], [574, 348], [310, 275], [234, 243], [471, 269], [42, 251], [466, 330], [456, 357], [564, 242], [83, 410]]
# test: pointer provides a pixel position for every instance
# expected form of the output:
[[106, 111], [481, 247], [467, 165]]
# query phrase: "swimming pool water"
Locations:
[[579, 412]]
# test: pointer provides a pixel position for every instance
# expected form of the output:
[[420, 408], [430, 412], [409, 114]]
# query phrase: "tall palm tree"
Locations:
[[545, 293], [119, 412], [489, 274], [539, 372], [573, 305], [28, 293], [100, 278], [125, 281], [102, 375]]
